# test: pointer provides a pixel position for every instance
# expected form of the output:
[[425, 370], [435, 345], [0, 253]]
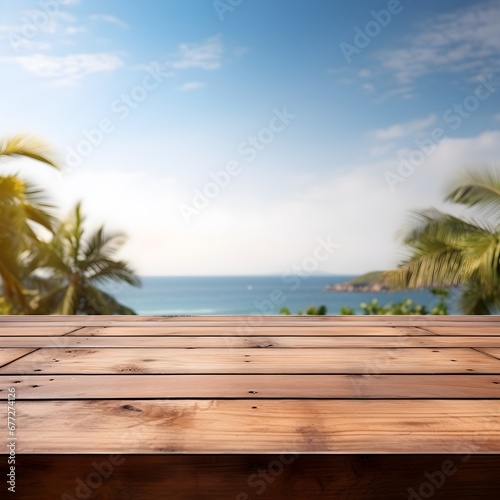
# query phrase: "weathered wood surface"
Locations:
[[256, 361], [263, 426], [9, 355], [50, 387], [242, 330], [214, 341], [253, 384]]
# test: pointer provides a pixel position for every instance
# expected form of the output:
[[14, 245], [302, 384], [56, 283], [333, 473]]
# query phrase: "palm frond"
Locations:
[[99, 302], [102, 245], [106, 270], [478, 187], [29, 147], [432, 224], [437, 267], [478, 299]]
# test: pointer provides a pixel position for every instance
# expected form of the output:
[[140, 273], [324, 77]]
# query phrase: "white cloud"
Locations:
[[75, 30], [380, 150], [69, 2], [109, 19], [405, 129], [55, 23], [66, 70], [365, 73], [206, 55], [464, 40], [191, 86], [30, 45], [233, 227], [32, 33], [10, 28], [400, 92], [368, 87]]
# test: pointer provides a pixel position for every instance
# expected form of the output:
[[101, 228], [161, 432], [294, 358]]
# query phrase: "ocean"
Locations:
[[226, 295]]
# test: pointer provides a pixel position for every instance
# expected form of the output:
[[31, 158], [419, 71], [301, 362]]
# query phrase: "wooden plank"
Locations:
[[257, 476], [233, 331], [58, 387], [490, 351], [266, 426], [35, 330], [9, 355], [229, 319], [465, 330], [248, 361], [179, 341], [241, 317], [251, 320]]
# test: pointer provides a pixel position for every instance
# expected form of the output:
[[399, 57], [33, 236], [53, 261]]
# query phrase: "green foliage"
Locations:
[[404, 307], [23, 210], [451, 251], [400, 308], [6, 307], [347, 311], [77, 263], [441, 295], [62, 275], [311, 311]]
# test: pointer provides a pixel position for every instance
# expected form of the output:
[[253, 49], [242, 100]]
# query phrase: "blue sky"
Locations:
[[312, 105]]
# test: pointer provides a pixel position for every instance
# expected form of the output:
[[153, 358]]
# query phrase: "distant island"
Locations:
[[369, 282]]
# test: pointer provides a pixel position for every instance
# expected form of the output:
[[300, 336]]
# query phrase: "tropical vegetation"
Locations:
[[310, 311], [48, 266], [406, 306], [53, 266], [448, 250]]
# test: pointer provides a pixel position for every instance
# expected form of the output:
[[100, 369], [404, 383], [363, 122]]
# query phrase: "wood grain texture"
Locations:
[[465, 330], [493, 352], [277, 361], [319, 385], [9, 355], [233, 318], [249, 477], [247, 331], [236, 426], [54, 387], [262, 341], [253, 320], [35, 330]]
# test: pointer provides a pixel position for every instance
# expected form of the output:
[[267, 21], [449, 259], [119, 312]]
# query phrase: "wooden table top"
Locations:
[[324, 384]]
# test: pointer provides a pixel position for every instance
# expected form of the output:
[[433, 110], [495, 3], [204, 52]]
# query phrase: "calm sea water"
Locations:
[[226, 295]]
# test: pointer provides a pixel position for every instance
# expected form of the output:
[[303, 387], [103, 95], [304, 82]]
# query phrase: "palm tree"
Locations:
[[22, 209], [446, 250], [77, 264]]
